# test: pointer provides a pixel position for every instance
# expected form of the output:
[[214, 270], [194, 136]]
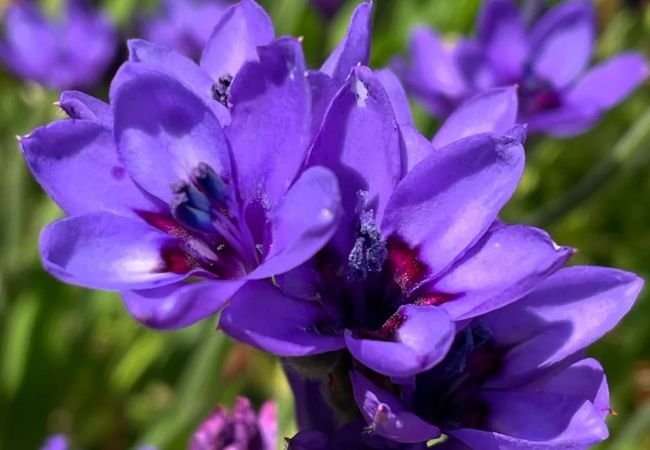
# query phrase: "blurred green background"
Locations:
[[73, 361]]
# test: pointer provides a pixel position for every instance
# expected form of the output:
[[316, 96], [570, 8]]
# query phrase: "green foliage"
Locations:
[[73, 361]]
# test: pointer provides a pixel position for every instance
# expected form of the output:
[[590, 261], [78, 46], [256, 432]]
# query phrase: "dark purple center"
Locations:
[[537, 95]]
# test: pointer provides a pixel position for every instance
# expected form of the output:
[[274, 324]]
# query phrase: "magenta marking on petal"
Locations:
[[433, 299], [387, 330], [175, 259], [407, 270], [118, 172]]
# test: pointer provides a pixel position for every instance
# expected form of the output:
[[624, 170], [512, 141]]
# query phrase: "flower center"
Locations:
[[537, 95], [221, 89]]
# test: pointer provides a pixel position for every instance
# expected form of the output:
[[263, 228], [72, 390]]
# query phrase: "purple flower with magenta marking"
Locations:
[[184, 25], [558, 93], [71, 51], [240, 429], [419, 249], [177, 198], [515, 378]]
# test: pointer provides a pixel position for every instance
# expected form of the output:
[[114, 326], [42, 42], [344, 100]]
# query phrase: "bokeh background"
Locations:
[[73, 361]]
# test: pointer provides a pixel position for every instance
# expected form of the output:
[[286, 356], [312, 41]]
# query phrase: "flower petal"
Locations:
[[242, 28], [610, 82], [289, 330], [303, 222], [181, 68], [420, 341], [502, 33], [417, 147], [567, 120], [566, 313], [360, 142], [503, 266], [77, 164], [105, 251], [386, 416], [78, 105], [536, 421], [446, 203], [163, 130], [270, 121], [180, 304], [354, 49], [493, 111], [397, 96], [567, 29]]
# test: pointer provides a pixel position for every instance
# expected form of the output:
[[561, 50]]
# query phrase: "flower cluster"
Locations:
[[548, 61], [306, 207]]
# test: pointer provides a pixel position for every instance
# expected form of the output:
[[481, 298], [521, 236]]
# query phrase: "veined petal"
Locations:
[[271, 121], [261, 316], [105, 251], [502, 33], [567, 29], [446, 203], [610, 82], [163, 130], [242, 28], [180, 304], [303, 222], [503, 266], [354, 49], [386, 416], [566, 313], [493, 111], [77, 164], [420, 338]]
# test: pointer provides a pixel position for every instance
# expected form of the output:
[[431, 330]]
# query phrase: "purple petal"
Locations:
[[270, 121], [386, 416], [163, 130], [502, 267], [566, 313], [416, 146], [610, 82], [536, 421], [446, 203], [180, 304], [584, 379], [303, 222], [360, 122], [420, 339], [433, 67], [397, 96], [261, 316], [77, 164], [354, 49], [78, 105], [567, 120], [311, 409], [322, 89], [493, 111], [502, 33], [56, 442], [242, 28], [183, 69], [567, 29], [105, 251]]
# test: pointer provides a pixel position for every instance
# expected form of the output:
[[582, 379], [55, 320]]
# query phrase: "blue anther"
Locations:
[[195, 198], [206, 179], [191, 217]]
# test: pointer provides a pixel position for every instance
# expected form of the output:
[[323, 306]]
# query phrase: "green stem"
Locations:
[[626, 155]]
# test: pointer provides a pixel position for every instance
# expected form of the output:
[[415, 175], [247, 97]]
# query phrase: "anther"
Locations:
[[191, 217], [221, 89], [208, 181]]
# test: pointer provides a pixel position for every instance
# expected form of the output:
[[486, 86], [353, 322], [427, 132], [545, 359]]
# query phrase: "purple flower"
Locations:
[[514, 378], [56, 442], [419, 249], [72, 51], [186, 188], [239, 429], [558, 94], [352, 436], [184, 25]]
